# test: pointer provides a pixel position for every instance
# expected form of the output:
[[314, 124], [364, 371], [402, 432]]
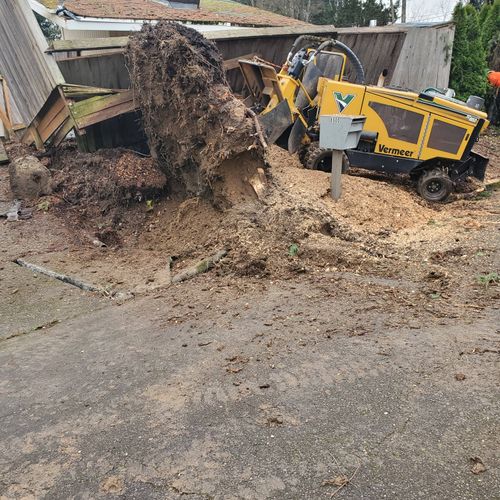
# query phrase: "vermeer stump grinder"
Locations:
[[428, 136]]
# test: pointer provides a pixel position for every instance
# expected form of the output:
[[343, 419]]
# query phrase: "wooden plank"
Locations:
[[3, 155], [236, 34], [234, 63], [31, 136], [121, 42], [6, 99], [49, 128], [274, 32], [44, 119], [116, 42], [96, 104], [97, 109], [106, 114], [64, 130], [73, 91], [6, 123]]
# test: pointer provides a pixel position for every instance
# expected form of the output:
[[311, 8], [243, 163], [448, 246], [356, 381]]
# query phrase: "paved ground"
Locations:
[[383, 375], [31, 301], [265, 393]]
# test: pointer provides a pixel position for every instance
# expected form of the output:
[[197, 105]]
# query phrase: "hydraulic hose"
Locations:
[[353, 58], [298, 44]]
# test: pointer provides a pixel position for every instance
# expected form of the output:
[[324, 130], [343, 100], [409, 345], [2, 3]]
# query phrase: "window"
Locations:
[[330, 65], [446, 137], [400, 123]]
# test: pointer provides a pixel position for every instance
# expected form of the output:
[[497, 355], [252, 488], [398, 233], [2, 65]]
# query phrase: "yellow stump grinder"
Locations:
[[427, 135]]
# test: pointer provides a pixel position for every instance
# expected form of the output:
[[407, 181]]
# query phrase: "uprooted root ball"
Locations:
[[106, 181], [193, 122]]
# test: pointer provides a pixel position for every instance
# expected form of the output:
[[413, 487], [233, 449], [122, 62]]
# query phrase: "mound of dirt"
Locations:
[[367, 204], [296, 227], [196, 128], [103, 183]]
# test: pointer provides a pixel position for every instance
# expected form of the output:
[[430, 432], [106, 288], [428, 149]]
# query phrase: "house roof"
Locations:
[[210, 11]]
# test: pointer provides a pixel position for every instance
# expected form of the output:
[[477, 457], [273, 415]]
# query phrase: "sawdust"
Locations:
[[295, 210], [196, 128], [112, 485], [368, 204]]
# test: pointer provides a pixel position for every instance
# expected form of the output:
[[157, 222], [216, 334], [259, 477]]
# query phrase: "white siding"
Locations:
[[80, 34]]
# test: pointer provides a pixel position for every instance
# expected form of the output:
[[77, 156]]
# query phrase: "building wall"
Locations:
[[80, 34], [30, 73]]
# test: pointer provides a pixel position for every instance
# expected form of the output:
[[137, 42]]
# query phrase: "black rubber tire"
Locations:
[[313, 157], [434, 185], [302, 152]]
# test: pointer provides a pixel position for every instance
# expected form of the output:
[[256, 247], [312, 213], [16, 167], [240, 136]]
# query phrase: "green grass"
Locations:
[[293, 250], [487, 279]]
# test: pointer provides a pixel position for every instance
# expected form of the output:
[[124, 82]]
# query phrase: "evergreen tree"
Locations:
[[483, 13], [376, 10], [468, 66], [489, 18], [477, 4], [344, 13], [49, 29]]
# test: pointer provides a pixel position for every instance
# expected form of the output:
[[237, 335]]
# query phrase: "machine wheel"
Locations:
[[313, 157], [434, 185], [302, 152]]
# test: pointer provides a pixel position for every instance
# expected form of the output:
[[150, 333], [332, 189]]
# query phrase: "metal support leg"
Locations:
[[335, 186]]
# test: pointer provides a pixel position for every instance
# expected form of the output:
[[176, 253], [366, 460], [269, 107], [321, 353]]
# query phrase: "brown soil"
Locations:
[[374, 225], [193, 122], [95, 190], [380, 228]]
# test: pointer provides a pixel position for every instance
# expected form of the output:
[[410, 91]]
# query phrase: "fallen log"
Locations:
[[201, 267], [61, 277]]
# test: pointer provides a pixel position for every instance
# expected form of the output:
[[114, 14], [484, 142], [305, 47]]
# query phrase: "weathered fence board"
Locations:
[[30, 73], [425, 58]]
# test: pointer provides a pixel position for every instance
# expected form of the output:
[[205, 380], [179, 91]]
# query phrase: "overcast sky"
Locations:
[[429, 10]]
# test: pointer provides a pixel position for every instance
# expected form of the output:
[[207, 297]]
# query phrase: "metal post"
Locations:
[[335, 180]]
